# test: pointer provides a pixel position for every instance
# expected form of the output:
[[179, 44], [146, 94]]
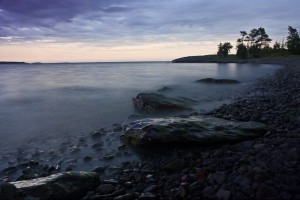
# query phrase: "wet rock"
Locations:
[[153, 103], [267, 192], [164, 89], [98, 134], [147, 196], [68, 185], [87, 158], [108, 157], [223, 194], [8, 191], [219, 177], [105, 189], [175, 165], [192, 129], [213, 80], [207, 191], [100, 169]]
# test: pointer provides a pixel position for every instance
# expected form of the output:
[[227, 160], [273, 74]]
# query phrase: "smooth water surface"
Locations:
[[38, 101]]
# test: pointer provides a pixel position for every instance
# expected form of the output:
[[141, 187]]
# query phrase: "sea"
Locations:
[[38, 101]]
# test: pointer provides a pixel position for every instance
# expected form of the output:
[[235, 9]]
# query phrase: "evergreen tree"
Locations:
[[224, 49], [242, 51], [293, 41]]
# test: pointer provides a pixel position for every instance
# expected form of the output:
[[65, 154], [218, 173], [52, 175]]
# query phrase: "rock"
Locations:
[[68, 185], [207, 191], [153, 103], [219, 177], [8, 191], [164, 89], [192, 129], [223, 194], [87, 158], [267, 192], [258, 146], [212, 80], [105, 189], [175, 165], [108, 157], [98, 134], [147, 196], [125, 197]]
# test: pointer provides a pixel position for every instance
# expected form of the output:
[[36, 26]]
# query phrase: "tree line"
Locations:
[[256, 44]]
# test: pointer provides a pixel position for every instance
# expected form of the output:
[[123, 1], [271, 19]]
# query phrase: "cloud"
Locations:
[[117, 22]]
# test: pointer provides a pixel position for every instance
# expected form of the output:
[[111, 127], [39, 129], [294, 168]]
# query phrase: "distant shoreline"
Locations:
[[11, 62], [234, 59]]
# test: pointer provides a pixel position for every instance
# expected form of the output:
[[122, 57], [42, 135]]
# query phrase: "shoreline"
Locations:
[[260, 168]]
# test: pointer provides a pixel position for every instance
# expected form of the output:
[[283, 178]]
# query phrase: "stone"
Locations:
[[267, 192], [153, 103], [164, 89], [8, 191], [223, 194], [67, 185], [125, 197], [213, 80], [105, 189], [150, 188], [219, 177], [147, 196], [192, 129], [174, 165], [207, 191]]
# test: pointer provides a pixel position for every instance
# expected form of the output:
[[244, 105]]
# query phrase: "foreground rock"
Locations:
[[192, 129], [213, 80], [153, 103], [68, 185]]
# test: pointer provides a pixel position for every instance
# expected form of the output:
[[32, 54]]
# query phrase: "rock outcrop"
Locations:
[[192, 129], [213, 80], [68, 185], [154, 103]]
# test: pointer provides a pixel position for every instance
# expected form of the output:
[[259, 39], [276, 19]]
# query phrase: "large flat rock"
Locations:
[[154, 103], [193, 129], [68, 185]]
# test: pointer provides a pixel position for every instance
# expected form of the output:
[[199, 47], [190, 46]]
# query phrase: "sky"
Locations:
[[133, 30]]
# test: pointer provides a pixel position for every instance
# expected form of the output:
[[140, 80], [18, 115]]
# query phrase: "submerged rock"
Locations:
[[164, 89], [213, 80], [68, 185], [193, 129], [153, 103]]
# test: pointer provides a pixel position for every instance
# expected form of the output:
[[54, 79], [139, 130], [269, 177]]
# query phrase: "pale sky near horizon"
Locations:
[[135, 30]]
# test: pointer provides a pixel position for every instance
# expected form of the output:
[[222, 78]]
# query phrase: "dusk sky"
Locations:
[[133, 30]]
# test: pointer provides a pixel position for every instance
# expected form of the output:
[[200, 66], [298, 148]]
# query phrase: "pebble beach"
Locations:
[[262, 168]]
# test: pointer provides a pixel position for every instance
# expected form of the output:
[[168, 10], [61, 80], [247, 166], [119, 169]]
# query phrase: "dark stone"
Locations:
[[212, 80], [164, 89], [68, 185], [192, 129], [105, 189], [223, 194], [8, 191], [267, 192], [153, 103], [175, 165]]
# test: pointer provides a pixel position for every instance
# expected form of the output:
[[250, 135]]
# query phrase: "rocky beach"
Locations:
[[263, 166]]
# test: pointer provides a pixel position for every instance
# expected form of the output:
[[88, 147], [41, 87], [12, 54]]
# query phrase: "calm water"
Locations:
[[42, 100]]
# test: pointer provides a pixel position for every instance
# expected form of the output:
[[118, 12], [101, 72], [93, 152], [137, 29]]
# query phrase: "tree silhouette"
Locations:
[[293, 41], [224, 49]]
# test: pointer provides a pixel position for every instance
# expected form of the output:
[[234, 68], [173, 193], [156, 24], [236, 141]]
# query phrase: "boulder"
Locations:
[[213, 80], [153, 103], [192, 129], [68, 185]]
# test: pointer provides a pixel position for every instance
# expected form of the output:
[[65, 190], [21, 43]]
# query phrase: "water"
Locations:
[[39, 101]]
